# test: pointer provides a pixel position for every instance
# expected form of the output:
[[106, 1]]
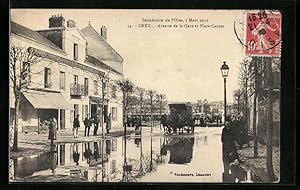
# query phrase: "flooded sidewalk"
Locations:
[[33, 143], [135, 158]]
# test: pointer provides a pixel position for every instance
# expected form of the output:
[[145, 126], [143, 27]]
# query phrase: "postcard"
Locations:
[[144, 96]]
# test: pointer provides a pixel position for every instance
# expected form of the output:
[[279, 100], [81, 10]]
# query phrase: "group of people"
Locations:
[[234, 136], [88, 122], [134, 121]]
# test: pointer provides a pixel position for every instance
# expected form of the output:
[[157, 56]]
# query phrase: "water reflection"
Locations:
[[181, 149], [76, 153], [26, 166], [87, 152], [130, 159]]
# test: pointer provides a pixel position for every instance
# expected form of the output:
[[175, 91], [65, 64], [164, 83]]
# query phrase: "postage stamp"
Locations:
[[263, 33]]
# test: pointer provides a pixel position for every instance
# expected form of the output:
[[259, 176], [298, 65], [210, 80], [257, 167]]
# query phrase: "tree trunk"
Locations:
[[151, 107], [124, 113], [246, 111], [270, 170], [16, 123], [141, 113], [255, 110], [254, 125]]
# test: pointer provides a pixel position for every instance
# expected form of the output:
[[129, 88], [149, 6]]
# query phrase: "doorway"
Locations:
[[93, 109]]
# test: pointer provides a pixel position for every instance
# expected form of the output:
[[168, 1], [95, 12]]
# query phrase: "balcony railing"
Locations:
[[78, 90]]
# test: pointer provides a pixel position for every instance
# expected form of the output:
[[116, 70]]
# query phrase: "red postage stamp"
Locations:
[[263, 33]]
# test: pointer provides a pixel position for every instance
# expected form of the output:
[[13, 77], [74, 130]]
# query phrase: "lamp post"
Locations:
[[224, 70]]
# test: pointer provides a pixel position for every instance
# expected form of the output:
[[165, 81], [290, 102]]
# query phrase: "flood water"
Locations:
[[157, 158]]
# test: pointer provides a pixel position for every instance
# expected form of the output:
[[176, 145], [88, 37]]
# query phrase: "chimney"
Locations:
[[71, 23], [103, 32], [56, 21]]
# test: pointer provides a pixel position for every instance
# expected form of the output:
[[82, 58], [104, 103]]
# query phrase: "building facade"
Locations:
[[67, 80]]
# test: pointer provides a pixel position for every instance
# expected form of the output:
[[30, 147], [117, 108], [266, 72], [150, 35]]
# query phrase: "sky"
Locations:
[[182, 63]]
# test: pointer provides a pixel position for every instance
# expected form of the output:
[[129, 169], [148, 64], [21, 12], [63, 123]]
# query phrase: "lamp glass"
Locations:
[[225, 70]]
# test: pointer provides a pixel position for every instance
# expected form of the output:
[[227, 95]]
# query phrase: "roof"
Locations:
[[179, 103], [28, 33], [96, 44], [96, 62]]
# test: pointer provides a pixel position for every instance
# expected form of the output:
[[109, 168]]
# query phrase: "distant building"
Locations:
[[66, 82]]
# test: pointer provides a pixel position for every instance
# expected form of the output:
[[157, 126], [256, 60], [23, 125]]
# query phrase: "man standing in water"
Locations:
[[96, 124], [76, 125], [87, 125]]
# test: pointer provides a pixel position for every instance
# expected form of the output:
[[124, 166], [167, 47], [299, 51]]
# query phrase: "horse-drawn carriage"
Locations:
[[179, 120]]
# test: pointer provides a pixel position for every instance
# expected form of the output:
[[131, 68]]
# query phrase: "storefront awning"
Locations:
[[47, 100]]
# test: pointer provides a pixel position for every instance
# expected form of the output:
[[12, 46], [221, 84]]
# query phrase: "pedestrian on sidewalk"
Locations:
[[138, 125], [237, 172], [129, 121], [76, 125], [96, 124], [52, 130], [133, 122], [108, 123], [87, 125], [227, 139]]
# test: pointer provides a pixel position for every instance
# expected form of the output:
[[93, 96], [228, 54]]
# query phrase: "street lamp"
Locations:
[[224, 70]]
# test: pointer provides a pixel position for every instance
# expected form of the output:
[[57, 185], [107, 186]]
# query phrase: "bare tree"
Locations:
[[198, 106], [245, 78], [162, 104], [206, 107], [21, 60], [258, 68], [141, 94], [126, 87], [151, 94], [103, 82], [237, 94]]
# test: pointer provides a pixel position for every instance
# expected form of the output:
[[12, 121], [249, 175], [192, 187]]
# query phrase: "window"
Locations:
[[47, 77], [62, 80], [76, 52], [96, 87], [75, 79], [86, 86], [114, 113], [113, 91], [86, 109]]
